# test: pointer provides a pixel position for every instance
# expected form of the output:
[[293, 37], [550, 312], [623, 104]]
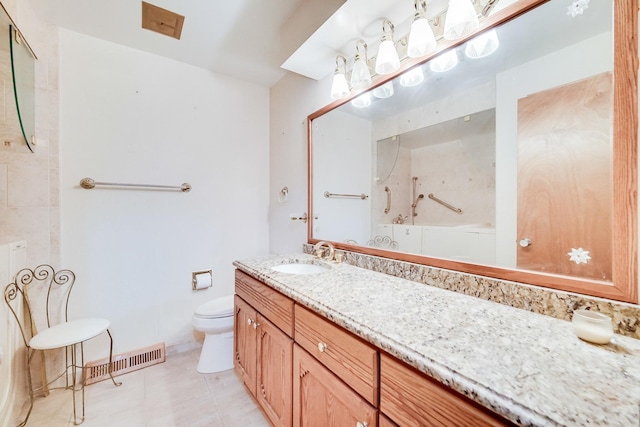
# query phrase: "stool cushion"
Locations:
[[68, 333]]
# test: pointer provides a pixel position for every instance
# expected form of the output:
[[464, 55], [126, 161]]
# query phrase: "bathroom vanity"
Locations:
[[349, 346]]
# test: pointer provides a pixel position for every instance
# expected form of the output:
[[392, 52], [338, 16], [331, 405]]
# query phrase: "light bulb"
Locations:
[[412, 77], [444, 62], [461, 19], [339, 86], [384, 91], [421, 38], [387, 61], [360, 75], [483, 45], [362, 101]]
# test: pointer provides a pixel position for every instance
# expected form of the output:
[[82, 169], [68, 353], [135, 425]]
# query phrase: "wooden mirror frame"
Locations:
[[624, 284]]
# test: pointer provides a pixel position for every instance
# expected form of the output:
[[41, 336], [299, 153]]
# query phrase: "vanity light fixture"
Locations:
[[444, 62], [461, 19], [482, 45], [360, 75], [384, 91], [387, 61], [421, 38], [362, 101], [413, 77], [339, 86]]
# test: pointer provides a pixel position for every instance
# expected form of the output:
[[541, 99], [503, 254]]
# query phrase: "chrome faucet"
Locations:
[[318, 250]]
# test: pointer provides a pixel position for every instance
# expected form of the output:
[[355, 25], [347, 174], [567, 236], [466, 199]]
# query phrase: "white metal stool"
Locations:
[[44, 289]]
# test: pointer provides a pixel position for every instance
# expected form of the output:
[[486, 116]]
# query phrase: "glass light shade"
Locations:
[[444, 62], [362, 101], [387, 61], [384, 91], [421, 39], [461, 19], [483, 45], [339, 86], [412, 77], [360, 75]]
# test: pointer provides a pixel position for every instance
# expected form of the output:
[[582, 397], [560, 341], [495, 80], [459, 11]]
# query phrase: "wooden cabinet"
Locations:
[[320, 399], [330, 377], [263, 352], [409, 398], [347, 356], [385, 422]]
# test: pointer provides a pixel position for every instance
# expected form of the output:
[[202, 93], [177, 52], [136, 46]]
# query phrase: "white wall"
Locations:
[[133, 117], [292, 99]]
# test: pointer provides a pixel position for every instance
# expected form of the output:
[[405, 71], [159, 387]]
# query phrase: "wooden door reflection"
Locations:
[[565, 179]]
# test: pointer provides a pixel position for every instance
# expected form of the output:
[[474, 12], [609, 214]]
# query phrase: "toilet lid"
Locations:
[[219, 307]]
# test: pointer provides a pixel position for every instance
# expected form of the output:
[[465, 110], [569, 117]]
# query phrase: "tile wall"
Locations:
[[29, 189]]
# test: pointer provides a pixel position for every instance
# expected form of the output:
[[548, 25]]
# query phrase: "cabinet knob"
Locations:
[[255, 325], [322, 347], [362, 424], [249, 322], [525, 243]]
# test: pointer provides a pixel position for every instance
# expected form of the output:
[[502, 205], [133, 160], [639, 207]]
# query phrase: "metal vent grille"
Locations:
[[98, 370]]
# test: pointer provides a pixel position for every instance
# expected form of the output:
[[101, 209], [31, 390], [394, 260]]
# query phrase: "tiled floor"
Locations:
[[168, 394]]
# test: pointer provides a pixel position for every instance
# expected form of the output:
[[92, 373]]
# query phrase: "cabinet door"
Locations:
[[244, 343], [322, 400], [274, 366]]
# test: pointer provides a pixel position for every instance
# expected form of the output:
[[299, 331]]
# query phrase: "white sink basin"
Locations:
[[300, 268]]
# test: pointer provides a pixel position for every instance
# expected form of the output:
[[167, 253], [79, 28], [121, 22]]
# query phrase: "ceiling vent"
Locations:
[[161, 20]]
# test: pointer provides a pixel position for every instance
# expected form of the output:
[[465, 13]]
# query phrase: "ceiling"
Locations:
[[247, 39]]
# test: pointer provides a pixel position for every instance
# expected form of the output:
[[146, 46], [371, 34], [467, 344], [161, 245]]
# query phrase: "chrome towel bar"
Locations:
[[88, 183], [356, 196], [445, 204]]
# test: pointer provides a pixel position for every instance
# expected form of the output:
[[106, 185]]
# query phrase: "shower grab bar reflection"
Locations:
[[388, 208], [356, 196], [445, 204], [88, 184]]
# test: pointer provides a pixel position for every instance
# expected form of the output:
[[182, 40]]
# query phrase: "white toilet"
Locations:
[[215, 319]]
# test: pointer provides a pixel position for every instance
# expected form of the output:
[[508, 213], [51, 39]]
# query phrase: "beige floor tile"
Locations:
[[171, 394]]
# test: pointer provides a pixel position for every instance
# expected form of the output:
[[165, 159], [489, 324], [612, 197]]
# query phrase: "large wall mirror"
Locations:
[[516, 163]]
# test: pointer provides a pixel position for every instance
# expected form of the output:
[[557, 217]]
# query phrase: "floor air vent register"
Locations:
[[123, 363]]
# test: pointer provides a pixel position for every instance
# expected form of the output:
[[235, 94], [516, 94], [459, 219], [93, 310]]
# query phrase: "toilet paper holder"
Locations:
[[201, 280]]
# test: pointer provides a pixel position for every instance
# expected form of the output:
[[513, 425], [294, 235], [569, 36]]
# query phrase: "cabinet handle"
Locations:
[[362, 424], [255, 325], [249, 322], [322, 347]]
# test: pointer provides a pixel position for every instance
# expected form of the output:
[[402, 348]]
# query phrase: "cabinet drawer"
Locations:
[[409, 398], [351, 359], [270, 303]]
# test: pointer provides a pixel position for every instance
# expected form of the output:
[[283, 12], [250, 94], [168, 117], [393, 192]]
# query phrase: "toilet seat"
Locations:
[[216, 308]]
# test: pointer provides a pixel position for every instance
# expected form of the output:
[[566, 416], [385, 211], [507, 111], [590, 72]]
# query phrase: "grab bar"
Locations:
[[445, 204], [357, 196], [88, 183], [388, 208]]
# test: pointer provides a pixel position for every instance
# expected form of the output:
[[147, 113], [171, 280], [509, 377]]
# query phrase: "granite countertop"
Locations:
[[527, 367]]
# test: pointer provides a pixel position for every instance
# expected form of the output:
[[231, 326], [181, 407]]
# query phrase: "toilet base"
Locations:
[[217, 353]]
